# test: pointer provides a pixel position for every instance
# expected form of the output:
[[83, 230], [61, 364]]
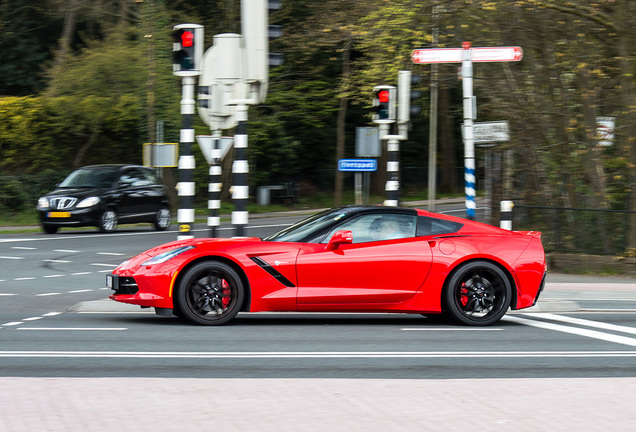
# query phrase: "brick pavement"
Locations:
[[153, 404]]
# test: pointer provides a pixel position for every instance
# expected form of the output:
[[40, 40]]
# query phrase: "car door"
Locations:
[[371, 270]]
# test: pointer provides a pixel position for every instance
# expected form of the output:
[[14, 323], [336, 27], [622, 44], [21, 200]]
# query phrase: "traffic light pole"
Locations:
[[392, 185], [185, 214]]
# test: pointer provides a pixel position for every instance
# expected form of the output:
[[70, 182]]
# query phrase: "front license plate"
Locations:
[[110, 281], [59, 214]]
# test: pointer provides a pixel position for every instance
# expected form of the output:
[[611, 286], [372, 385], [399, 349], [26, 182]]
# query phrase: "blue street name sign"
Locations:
[[357, 165]]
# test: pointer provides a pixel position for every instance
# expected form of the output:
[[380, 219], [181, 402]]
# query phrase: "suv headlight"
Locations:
[[88, 202], [43, 203]]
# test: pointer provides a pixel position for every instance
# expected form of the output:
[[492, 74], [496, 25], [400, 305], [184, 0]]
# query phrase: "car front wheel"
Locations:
[[49, 229], [209, 293], [478, 293], [108, 221]]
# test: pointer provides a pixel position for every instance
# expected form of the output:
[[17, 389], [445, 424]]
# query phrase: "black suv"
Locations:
[[105, 195]]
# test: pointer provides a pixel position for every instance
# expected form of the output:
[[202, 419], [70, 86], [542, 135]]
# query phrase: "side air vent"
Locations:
[[272, 271]]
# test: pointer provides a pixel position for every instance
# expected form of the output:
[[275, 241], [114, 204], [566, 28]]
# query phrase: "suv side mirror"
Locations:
[[338, 238]]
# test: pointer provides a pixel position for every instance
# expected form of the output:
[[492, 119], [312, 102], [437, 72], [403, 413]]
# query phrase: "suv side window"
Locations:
[[136, 177]]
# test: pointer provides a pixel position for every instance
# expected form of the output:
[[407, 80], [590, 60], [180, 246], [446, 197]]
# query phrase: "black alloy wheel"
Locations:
[[478, 293], [209, 293]]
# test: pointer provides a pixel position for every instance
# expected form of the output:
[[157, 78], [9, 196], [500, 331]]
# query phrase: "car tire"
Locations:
[[209, 293], [162, 219], [477, 293], [50, 229], [107, 221]]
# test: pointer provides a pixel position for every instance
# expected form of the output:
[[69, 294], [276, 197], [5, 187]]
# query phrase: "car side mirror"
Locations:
[[338, 238]]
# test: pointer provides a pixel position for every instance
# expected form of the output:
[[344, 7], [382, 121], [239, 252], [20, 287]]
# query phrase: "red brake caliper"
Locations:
[[463, 295], [226, 293]]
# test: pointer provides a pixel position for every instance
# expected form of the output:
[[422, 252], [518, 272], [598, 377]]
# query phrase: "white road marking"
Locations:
[[23, 248], [587, 323], [81, 273], [7, 294], [48, 294], [24, 278], [13, 323], [53, 276], [33, 318], [104, 265], [607, 337], [66, 250], [80, 291], [57, 261], [111, 253], [50, 314], [451, 329], [312, 354], [74, 328], [11, 257]]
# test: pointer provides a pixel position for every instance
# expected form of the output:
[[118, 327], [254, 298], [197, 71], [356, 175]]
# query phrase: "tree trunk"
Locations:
[[342, 121]]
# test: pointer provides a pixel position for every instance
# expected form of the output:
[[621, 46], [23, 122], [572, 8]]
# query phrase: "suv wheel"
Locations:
[[108, 221]]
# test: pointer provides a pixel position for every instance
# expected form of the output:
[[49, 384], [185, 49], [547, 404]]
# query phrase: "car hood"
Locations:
[[75, 192]]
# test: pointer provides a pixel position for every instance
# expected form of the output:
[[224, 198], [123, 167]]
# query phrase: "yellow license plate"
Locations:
[[59, 214]]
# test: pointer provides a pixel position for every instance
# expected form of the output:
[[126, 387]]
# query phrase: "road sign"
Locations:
[[359, 165], [486, 132], [206, 144], [454, 55]]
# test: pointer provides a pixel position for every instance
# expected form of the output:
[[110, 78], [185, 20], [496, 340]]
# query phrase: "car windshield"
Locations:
[[301, 230], [91, 178]]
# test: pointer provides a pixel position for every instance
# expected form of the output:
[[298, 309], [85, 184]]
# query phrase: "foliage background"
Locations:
[[84, 81]]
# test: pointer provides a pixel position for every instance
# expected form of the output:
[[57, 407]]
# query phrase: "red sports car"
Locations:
[[347, 259]]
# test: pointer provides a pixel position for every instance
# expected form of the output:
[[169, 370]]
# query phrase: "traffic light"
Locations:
[[187, 49], [257, 34], [384, 104], [406, 96]]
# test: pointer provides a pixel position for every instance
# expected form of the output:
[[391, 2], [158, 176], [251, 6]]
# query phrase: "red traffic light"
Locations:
[[187, 39], [383, 96]]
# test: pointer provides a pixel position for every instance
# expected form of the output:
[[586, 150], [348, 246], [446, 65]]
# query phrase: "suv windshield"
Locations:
[[91, 178]]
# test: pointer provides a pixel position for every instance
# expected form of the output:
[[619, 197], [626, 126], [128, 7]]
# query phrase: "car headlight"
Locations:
[[165, 256], [43, 203], [88, 202]]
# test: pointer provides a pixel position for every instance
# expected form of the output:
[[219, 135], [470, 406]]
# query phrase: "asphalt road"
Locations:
[[59, 337]]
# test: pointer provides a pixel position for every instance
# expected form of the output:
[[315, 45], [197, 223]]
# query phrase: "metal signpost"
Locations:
[[466, 56]]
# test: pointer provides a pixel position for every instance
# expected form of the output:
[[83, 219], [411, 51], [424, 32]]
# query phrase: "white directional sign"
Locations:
[[479, 54], [488, 132]]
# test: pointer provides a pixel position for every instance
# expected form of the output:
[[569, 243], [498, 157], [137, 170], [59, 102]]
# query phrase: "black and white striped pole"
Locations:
[[185, 214], [506, 215], [240, 171], [392, 186], [214, 186], [187, 49]]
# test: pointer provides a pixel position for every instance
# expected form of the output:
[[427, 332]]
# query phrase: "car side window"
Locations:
[[377, 227], [137, 178], [433, 226]]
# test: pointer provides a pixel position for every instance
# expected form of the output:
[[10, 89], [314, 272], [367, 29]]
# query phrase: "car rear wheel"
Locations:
[[49, 229], [108, 221], [162, 219], [209, 293], [478, 293]]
